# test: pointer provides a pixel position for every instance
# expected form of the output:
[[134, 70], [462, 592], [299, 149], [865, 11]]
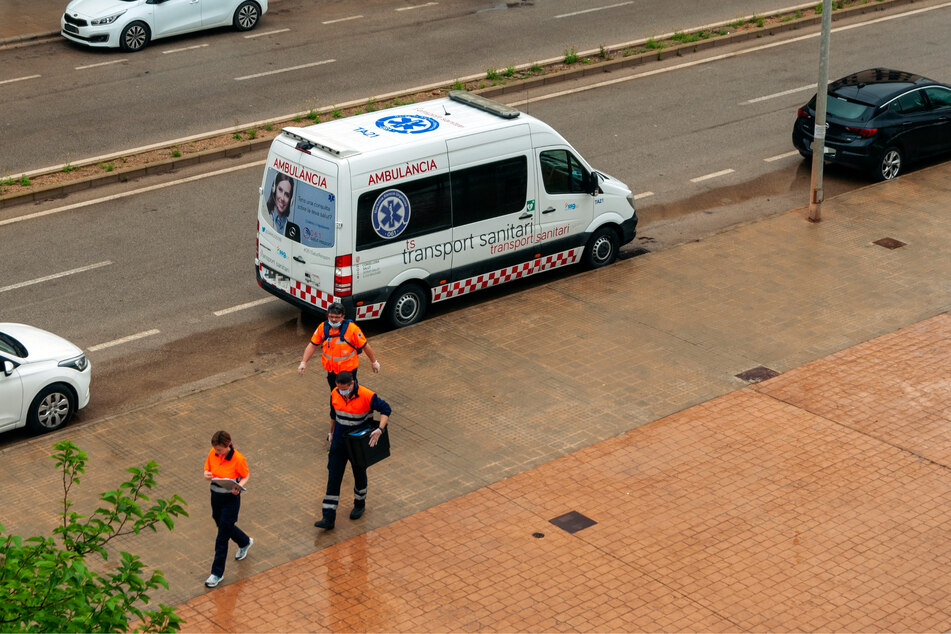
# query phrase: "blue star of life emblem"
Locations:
[[407, 123], [390, 213]]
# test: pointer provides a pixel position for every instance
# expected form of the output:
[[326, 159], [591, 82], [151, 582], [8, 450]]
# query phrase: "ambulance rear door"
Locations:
[[297, 241]]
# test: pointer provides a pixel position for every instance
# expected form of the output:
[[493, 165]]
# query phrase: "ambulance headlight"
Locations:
[[107, 20]]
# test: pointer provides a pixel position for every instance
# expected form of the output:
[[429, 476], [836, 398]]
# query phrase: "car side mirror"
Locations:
[[8, 367]]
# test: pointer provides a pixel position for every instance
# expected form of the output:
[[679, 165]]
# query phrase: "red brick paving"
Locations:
[[786, 506]]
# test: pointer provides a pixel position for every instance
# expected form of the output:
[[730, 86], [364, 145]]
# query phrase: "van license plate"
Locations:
[[276, 279]]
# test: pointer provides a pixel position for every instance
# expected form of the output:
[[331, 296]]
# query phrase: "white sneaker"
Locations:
[[243, 552], [212, 581]]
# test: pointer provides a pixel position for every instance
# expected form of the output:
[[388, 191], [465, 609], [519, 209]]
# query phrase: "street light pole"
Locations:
[[819, 134]]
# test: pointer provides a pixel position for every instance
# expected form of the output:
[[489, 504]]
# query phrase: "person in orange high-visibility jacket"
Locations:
[[226, 463], [353, 406], [340, 341]]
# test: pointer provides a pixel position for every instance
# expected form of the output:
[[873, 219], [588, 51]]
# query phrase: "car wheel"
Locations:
[[246, 16], [602, 248], [407, 305], [889, 164], [135, 36], [51, 409]]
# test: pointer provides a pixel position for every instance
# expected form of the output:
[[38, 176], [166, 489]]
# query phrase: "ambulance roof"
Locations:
[[460, 114]]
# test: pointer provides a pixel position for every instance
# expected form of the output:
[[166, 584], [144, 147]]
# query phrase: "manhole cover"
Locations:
[[572, 522], [757, 374], [889, 243]]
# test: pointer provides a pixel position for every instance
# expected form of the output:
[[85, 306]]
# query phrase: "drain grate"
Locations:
[[889, 243], [572, 522], [757, 374]]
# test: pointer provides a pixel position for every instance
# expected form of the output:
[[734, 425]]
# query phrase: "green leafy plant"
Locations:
[[819, 9], [737, 23], [68, 167], [371, 105], [176, 152], [268, 127], [236, 136], [653, 44], [509, 71], [535, 69], [685, 38], [337, 113], [798, 13], [312, 115], [458, 85], [48, 584], [760, 21], [603, 52], [107, 166], [25, 180], [251, 133], [297, 118], [571, 55], [492, 74]]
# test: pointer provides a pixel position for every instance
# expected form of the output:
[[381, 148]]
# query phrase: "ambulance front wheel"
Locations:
[[407, 305], [602, 248]]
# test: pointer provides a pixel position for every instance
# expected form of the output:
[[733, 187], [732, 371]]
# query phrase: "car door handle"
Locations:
[[298, 258], [549, 210], [525, 216]]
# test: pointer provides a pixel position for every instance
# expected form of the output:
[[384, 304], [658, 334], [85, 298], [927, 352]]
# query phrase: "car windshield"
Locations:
[[844, 109], [9, 345]]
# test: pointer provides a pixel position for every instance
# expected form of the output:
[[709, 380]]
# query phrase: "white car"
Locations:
[[131, 24], [44, 379]]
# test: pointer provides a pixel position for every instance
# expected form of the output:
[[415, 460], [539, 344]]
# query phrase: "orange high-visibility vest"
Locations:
[[355, 411], [339, 350]]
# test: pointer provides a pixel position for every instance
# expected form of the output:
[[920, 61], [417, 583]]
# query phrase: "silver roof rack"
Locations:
[[300, 135], [484, 103]]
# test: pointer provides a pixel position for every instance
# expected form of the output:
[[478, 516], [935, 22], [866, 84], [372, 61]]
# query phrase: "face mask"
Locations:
[[343, 392], [335, 324]]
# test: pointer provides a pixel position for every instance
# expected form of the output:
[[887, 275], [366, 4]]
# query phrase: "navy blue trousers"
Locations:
[[336, 464], [224, 510]]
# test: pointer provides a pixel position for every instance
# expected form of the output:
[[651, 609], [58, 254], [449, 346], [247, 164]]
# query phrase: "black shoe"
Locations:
[[357, 512], [324, 523]]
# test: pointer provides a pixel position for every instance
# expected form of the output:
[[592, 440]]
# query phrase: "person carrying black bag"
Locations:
[[353, 406]]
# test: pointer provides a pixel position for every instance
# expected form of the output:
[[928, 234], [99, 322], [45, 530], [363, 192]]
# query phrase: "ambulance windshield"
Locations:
[[299, 211]]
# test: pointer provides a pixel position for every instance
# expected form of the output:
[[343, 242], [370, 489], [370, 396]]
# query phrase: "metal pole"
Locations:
[[819, 134]]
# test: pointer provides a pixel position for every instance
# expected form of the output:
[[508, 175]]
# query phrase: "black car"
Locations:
[[879, 120]]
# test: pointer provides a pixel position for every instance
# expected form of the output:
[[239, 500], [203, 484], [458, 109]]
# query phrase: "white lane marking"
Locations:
[[253, 35], [116, 342], [234, 309], [781, 156], [115, 61], [717, 58], [352, 17], [285, 70], [643, 195], [610, 6], [150, 188], [55, 276], [779, 94], [709, 176], [417, 6], [10, 81], [187, 48]]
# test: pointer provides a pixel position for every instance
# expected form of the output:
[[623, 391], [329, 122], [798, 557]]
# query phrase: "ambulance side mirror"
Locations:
[[594, 184]]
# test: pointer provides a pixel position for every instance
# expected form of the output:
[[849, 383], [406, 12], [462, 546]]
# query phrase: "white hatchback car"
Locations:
[[44, 379], [131, 24]]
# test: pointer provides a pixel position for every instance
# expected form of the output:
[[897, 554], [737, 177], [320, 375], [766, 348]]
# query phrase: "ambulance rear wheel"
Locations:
[[407, 305], [602, 248]]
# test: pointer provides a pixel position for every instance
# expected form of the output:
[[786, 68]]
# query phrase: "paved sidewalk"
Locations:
[[817, 501], [505, 387]]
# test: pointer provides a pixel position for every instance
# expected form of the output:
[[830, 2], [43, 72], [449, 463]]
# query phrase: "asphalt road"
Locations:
[[165, 266], [62, 103]]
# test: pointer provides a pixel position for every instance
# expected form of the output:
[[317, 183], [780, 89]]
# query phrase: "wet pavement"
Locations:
[[815, 500], [23, 19]]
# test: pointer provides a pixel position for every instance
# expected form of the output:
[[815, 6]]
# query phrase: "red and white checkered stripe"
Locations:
[[307, 293], [454, 289], [370, 311]]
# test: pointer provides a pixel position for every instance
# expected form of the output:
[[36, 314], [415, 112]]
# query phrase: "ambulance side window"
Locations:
[[490, 190], [562, 173], [428, 211]]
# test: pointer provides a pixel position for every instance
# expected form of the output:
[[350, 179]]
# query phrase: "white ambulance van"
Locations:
[[390, 211]]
